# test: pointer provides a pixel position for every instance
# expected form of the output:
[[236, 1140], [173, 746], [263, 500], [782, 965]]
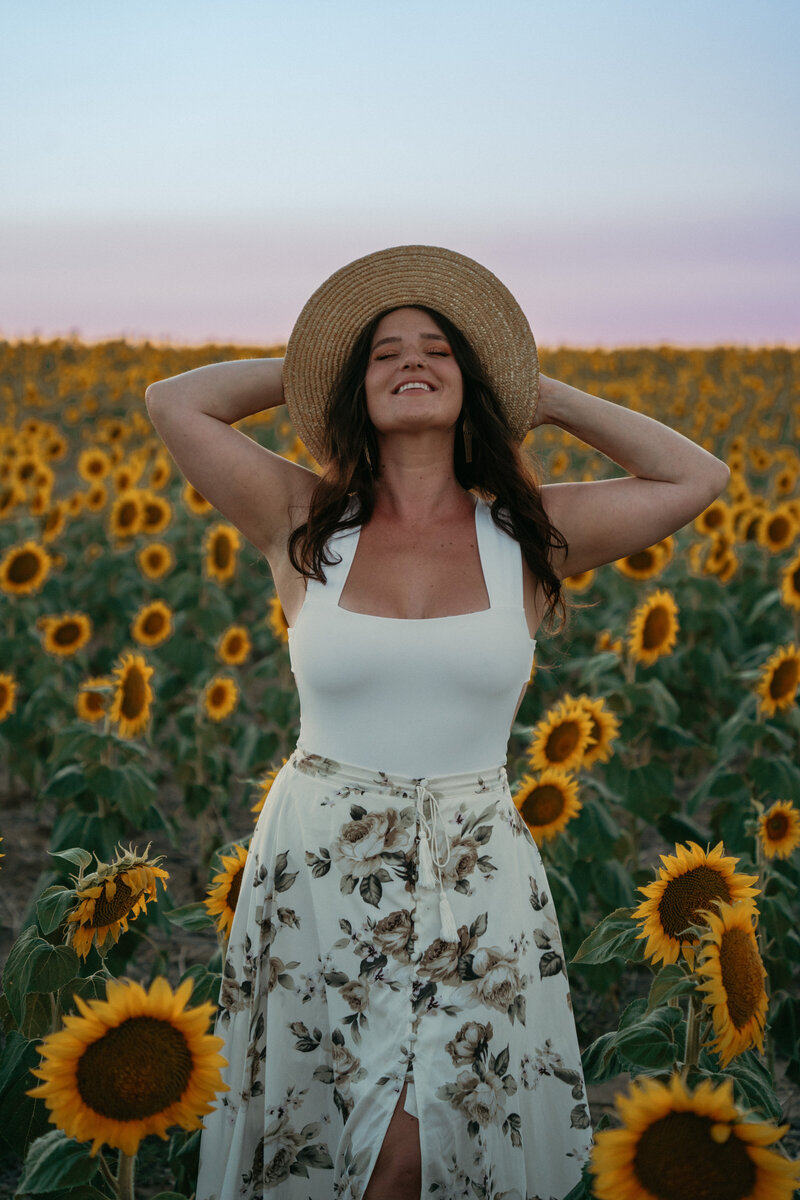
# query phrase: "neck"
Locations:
[[416, 481]]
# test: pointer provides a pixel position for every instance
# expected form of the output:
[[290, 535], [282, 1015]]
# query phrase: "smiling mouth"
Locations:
[[413, 385]]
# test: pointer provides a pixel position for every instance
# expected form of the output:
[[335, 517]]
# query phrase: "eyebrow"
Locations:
[[426, 337]]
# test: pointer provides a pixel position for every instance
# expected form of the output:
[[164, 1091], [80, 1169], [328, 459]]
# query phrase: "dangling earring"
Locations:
[[467, 430], [367, 457]]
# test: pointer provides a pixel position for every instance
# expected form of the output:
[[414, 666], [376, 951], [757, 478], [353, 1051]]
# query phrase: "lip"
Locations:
[[419, 382]]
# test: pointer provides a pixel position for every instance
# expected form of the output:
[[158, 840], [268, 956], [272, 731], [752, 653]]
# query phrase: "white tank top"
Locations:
[[414, 697]]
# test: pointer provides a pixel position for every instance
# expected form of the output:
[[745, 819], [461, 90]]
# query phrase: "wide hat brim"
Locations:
[[462, 290]]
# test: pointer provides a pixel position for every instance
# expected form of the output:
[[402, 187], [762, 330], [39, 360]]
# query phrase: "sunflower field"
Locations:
[[146, 705]]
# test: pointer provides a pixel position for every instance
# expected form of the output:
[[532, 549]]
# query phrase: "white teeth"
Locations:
[[406, 386]]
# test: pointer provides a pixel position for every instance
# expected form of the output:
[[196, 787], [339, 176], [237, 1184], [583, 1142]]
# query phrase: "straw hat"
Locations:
[[469, 295]]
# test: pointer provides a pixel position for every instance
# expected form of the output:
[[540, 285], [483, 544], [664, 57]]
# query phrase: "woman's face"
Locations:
[[413, 382]]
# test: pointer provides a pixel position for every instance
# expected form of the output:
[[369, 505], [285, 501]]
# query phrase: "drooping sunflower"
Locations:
[[653, 629], [111, 896], [266, 787], [732, 973], [561, 738], [779, 679], [24, 569], [675, 1144], [222, 898], [66, 634], [790, 583], [133, 1064], [234, 646], [690, 883], [125, 517], [779, 829], [197, 504], [92, 697], [221, 544], [605, 729], [777, 529], [547, 804], [220, 697], [152, 624], [133, 695], [155, 560], [276, 619], [8, 694]]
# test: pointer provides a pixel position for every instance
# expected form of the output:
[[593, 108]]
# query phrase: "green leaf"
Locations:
[[54, 1162], [611, 882], [22, 1119], [670, 981], [775, 776], [191, 916], [650, 1041], [205, 983], [53, 906], [76, 855], [614, 937], [34, 965], [66, 783], [600, 1060]]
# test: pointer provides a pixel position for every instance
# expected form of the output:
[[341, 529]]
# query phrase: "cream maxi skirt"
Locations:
[[338, 985]]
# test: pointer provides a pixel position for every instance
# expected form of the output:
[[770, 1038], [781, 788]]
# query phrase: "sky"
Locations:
[[192, 171]]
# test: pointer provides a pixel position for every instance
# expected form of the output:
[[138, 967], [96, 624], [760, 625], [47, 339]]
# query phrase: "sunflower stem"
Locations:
[[107, 1173], [127, 1165], [692, 1050], [761, 867]]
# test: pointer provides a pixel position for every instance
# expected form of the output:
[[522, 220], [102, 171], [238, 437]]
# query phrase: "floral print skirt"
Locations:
[[341, 980]]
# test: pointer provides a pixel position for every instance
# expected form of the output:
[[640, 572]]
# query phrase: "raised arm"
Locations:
[[671, 479], [261, 493]]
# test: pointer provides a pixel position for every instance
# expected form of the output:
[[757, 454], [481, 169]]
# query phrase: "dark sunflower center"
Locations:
[[642, 560], [5, 693], [67, 633], [545, 804], [714, 518], [235, 888], [235, 644], [219, 695], [784, 680], [93, 701], [656, 628], [795, 577], [676, 1157], [135, 1070], [133, 694], [152, 514], [777, 827], [742, 976], [563, 741], [779, 529], [686, 896], [127, 515], [24, 567], [222, 551], [154, 623], [106, 911]]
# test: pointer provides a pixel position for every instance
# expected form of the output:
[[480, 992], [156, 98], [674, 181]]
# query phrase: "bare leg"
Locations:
[[397, 1174]]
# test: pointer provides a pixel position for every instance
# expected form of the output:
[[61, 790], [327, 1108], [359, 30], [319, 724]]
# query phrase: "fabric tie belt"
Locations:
[[430, 863]]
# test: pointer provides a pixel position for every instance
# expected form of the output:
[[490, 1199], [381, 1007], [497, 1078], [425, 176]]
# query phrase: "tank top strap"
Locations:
[[343, 544], [501, 559]]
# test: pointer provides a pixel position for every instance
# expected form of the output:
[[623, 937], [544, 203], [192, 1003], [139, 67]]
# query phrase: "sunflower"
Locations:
[[561, 738], [156, 513], [605, 728], [676, 1144], [717, 518], [221, 545], [24, 569], [777, 529], [779, 829], [688, 884], [110, 896], [790, 583], [66, 634], [606, 641], [155, 560], [195, 503], [90, 702], [93, 465], [579, 582], [547, 804], [125, 517], [221, 697], [732, 973], [644, 564], [653, 629], [779, 680], [222, 899], [276, 619], [133, 695], [161, 472], [152, 624], [54, 522], [8, 694], [266, 787], [234, 646], [130, 1065]]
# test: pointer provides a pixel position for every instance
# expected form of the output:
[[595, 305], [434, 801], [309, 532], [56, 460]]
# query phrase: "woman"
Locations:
[[395, 1002]]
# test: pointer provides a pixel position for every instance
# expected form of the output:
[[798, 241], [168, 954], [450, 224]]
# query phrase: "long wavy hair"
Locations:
[[498, 471]]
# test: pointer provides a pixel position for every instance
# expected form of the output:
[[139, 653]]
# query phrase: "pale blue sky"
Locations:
[[190, 169]]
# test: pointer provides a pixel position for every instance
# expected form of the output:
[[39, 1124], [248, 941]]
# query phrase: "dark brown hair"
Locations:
[[498, 471]]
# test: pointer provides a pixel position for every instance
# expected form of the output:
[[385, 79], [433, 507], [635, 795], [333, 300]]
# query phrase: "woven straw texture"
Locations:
[[403, 276]]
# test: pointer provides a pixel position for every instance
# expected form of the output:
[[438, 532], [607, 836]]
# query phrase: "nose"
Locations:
[[411, 357]]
